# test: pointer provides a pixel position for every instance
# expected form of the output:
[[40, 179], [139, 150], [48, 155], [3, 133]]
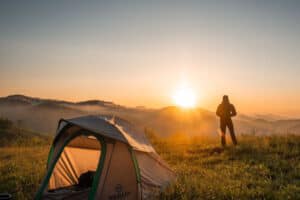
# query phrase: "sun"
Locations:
[[185, 97]]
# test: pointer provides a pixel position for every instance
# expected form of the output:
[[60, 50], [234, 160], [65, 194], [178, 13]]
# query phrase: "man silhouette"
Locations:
[[225, 111]]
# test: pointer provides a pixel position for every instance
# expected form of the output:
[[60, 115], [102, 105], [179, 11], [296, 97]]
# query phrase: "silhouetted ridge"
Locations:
[[96, 103]]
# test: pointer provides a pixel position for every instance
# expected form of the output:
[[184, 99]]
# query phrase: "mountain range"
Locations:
[[42, 115]]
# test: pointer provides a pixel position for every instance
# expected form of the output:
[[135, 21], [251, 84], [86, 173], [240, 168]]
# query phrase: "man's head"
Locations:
[[225, 99]]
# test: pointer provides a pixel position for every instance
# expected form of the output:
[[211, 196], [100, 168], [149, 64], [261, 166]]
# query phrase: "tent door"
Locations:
[[77, 166]]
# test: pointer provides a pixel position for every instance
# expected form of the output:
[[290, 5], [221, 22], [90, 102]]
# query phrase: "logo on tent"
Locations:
[[119, 193]]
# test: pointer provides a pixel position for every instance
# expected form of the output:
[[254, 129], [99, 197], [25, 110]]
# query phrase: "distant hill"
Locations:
[[42, 115], [26, 100], [97, 103], [270, 117]]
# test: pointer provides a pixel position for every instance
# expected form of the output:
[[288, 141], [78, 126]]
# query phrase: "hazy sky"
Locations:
[[139, 52]]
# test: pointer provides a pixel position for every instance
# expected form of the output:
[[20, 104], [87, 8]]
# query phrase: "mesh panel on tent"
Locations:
[[77, 158]]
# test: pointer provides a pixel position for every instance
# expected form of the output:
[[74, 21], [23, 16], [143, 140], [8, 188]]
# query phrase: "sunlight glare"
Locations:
[[185, 97]]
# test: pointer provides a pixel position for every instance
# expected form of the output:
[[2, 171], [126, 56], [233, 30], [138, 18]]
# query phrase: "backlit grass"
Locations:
[[258, 168]]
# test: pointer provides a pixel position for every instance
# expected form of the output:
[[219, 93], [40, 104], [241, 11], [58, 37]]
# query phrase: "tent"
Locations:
[[102, 157]]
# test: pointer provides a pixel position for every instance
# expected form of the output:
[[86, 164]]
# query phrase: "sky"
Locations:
[[137, 53]]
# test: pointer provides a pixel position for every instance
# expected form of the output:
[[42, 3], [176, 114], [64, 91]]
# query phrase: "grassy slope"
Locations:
[[259, 168], [23, 156]]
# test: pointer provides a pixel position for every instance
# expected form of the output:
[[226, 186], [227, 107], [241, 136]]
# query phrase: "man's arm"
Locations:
[[218, 112], [233, 111]]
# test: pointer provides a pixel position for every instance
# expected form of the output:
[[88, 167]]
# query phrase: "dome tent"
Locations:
[[102, 157]]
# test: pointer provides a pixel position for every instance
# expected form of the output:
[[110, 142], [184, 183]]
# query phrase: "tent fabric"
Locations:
[[84, 142], [135, 138], [127, 164], [153, 181], [111, 127], [109, 153], [119, 175], [147, 163], [98, 125]]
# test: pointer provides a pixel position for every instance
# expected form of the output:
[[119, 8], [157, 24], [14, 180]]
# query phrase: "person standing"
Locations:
[[226, 111]]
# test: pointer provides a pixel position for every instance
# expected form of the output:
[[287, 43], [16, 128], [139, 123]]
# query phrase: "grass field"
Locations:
[[259, 168], [21, 170]]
